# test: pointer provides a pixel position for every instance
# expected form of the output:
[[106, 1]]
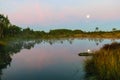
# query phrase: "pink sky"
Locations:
[[51, 12]]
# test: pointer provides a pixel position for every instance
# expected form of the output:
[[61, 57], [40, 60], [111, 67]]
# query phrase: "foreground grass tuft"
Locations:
[[105, 64]]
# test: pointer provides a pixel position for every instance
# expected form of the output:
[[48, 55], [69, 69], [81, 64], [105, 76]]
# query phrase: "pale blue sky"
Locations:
[[71, 14]]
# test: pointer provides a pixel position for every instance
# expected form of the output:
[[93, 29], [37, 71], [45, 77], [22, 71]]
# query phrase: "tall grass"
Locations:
[[105, 64]]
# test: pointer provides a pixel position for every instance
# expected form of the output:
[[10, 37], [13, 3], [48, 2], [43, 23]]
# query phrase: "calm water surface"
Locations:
[[48, 59]]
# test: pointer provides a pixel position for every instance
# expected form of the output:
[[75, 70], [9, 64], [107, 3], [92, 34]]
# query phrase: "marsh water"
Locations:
[[53, 59]]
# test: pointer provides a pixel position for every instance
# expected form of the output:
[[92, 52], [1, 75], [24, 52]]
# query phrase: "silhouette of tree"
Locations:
[[114, 29], [97, 28]]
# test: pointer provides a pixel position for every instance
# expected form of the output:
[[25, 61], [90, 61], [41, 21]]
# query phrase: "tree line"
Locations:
[[9, 30]]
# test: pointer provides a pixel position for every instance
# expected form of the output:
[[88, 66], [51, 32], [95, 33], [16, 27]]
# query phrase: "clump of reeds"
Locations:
[[105, 64]]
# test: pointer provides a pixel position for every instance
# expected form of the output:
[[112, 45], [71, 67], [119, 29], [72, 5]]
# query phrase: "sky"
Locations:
[[57, 14]]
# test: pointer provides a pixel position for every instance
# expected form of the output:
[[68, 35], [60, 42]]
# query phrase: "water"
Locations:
[[46, 59]]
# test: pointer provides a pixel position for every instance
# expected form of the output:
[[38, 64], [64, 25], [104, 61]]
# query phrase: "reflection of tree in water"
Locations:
[[61, 40], [96, 40], [8, 50], [29, 45], [70, 40], [14, 47], [5, 59]]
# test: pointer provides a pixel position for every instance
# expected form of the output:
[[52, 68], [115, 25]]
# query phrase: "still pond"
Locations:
[[46, 59]]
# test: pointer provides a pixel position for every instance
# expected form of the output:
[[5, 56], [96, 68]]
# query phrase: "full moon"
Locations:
[[88, 16]]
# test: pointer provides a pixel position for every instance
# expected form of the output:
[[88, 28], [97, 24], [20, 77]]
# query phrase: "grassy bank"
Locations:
[[105, 65]]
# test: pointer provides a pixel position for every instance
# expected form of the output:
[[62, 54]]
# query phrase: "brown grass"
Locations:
[[105, 64]]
